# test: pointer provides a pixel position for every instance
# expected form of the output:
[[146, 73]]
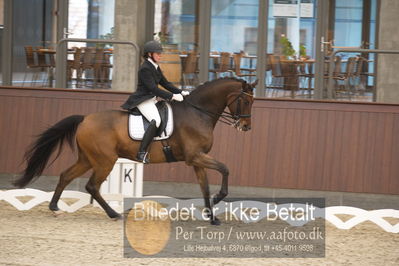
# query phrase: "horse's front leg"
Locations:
[[205, 161], [203, 181]]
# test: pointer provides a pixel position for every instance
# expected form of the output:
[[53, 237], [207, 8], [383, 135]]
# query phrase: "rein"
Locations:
[[227, 117]]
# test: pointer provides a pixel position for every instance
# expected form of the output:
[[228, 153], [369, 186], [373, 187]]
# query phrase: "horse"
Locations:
[[102, 137]]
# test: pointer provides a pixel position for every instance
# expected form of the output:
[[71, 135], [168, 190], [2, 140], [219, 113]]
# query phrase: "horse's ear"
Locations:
[[253, 85]]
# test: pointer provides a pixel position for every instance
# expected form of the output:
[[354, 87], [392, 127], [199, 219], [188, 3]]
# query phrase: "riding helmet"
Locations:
[[152, 47]]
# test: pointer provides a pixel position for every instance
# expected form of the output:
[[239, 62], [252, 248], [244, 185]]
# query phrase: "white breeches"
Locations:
[[150, 111]]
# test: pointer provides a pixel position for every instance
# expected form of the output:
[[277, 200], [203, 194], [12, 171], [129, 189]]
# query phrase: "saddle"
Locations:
[[138, 124]]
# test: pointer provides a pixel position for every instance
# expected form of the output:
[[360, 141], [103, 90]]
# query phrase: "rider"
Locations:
[[144, 98]]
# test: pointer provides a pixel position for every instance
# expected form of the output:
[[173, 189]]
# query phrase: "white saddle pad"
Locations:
[[136, 126]]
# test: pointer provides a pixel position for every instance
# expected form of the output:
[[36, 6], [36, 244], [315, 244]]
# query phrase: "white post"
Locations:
[[138, 181]]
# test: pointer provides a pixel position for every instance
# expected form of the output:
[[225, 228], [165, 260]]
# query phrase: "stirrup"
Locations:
[[142, 156]]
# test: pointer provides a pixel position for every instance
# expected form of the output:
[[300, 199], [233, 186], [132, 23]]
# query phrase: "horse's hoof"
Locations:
[[53, 208], [116, 217], [215, 221], [58, 213]]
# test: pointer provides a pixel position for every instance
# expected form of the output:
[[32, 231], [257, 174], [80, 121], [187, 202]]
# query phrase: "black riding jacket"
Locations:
[[148, 80]]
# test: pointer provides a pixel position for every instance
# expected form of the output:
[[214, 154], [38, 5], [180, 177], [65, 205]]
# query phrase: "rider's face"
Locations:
[[157, 57]]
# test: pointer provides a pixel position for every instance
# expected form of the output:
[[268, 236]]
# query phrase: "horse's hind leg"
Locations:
[[76, 170], [93, 187]]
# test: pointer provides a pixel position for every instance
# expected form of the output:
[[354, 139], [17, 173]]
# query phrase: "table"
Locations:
[[49, 64], [291, 73]]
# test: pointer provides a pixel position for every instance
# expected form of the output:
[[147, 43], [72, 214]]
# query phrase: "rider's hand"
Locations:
[[177, 97], [185, 93]]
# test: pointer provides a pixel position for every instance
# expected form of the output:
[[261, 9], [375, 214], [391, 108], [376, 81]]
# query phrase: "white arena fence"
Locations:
[[126, 180]]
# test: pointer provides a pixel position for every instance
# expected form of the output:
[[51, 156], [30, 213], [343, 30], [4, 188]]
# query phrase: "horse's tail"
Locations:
[[39, 153]]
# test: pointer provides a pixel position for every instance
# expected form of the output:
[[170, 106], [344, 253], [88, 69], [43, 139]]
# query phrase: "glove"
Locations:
[[177, 97], [185, 93]]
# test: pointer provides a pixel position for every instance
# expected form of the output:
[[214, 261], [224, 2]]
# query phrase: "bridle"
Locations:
[[231, 119], [237, 114]]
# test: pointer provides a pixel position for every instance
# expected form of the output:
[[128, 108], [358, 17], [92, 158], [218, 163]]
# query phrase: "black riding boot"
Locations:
[[150, 133]]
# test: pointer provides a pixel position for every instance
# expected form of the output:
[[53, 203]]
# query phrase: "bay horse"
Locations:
[[102, 137]]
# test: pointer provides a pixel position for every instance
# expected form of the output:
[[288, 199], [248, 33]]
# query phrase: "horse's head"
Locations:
[[240, 105]]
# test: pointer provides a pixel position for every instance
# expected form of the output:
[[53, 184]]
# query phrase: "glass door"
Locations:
[[176, 27], [234, 34], [302, 34], [352, 25], [90, 64], [291, 52], [1, 37], [31, 37]]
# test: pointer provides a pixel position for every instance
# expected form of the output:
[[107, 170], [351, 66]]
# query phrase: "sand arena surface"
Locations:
[[88, 237]]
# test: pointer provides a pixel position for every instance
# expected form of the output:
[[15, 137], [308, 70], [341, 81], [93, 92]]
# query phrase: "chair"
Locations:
[[190, 70], [87, 62], [106, 67], [284, 75], [277, 73], [306, 73], [75, 64], [289, 71], [101, 67], [276, 81], [365, 75], [337, 70], [358, 69], [222, 66], [237, 67], [346, 76], [268, 62], [97, 66], [52, 60], [269, 77], [30, 63]]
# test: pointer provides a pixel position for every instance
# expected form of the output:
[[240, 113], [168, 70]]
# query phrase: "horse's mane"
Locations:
[[209, 84]]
